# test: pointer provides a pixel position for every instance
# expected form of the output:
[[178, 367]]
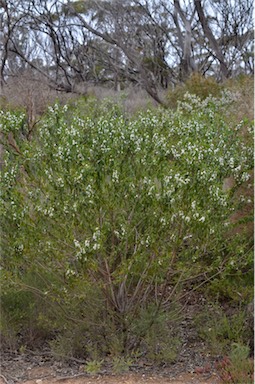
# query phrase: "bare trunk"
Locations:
[[212, 41], [186, 65]]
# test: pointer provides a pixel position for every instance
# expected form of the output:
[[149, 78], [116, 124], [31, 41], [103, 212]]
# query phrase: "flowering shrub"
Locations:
[[118, 208]]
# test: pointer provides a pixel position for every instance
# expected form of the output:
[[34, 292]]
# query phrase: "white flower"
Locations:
[[77, 243], [147, 241], [70, 272], [231, 162], [96, 235], [163, 220], [20, 247], [89, 191], [115, 176], [245, 176], [60, 182], [237, 169], [86, 243]]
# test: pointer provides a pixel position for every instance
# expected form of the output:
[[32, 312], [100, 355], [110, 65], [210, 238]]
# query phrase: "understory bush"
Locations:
[[238, 367], [221, 330], [113, 216]]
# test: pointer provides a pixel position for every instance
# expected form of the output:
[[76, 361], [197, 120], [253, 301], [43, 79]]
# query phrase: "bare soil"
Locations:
[[46, 376], [41, 368]]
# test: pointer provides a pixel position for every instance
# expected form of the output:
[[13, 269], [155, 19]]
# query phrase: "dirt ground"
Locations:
[[25, 371], [129, 378], [35, 368]]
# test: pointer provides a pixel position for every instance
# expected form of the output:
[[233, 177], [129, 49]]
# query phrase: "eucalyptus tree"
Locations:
[[214, 37], [13, 32], [213, 43], [232, 23], [126, 28], [76, 42]]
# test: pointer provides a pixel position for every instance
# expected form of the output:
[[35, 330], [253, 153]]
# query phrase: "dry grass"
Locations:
[[24, 92], [243, 107], [34, 95], [243, 219], [132, 99]]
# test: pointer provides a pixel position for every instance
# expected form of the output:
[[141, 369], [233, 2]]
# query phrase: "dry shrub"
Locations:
[[198, 85], [131, 99], [32, 94], [243, 218], [26, 92], [243, 88]]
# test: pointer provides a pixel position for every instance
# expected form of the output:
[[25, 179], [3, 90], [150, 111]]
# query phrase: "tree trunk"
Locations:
[[212, 41]]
